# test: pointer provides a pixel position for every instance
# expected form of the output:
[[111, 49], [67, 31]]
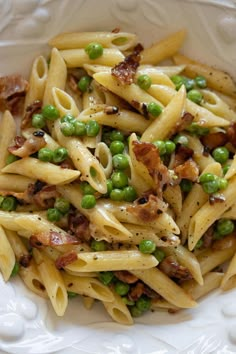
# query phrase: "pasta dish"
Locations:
[[118, 182]]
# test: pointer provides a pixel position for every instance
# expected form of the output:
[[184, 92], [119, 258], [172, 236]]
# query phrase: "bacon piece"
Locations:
[[53, 238], [182, 154], [147, 208], [208, 237], [31, 145], [66, 259], [125, 71], [188, 170], [139, 289], [78, 225], [33, 108], [184, 122], [231, 134], [216, 198], [213, 140], [45, 198], [126, 277], [111, 110], [25, 260], [73, 83], [149, 155], [116, 30], [228, 241], [173, 269], [12, 91]]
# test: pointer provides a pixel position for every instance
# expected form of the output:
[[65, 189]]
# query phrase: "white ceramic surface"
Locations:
[[27, 323]]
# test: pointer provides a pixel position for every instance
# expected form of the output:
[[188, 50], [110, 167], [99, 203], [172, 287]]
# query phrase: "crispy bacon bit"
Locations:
[[111, 110], [228, 241], [33, 108], [66, 259], [184, 122], [173, 269], [116, 30], [208, 237], [72, 83], [231, 134], [25, 260], [35, 243], [78, 225], [67, 164], [46, 196], [125, 71], [188, 170], [216, 198], [149, 156], [30, 146], [12, 91], [126, 277], [213, 140], [149, 210], [53, 238], [182, 154], [139, 289]]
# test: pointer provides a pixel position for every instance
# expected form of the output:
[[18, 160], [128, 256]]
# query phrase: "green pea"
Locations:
[[98, 246], [53, 214], [117, 147], [62, 204], [11, 158], [159, 254], [84, 83], [143, 303], [147, 246], [201, 81], [225, 169], [50, 112], [94, 50], [79, 128], [221, 154], [9, 203], [116, 135], [106, 277], [92, 128], [210, 187], [127, 301], [161, 146], [15, 269], [67, 128], [181, 139], [117, 194], [199, 244], [170, 146], [186, 185], [130, 194], [71, 294], [144, 82], [119, 179], [195, 96], [109, 188], [88, 201], [121, 288], [188, 83], [38, 121], [222, 183], [86, 188], [45, 154], [207, 177], [135, 312], [178, 81], [154, 109], [224, 227], [68, 118], [120, 161], [1, 200], [196, 129], [60, 154]]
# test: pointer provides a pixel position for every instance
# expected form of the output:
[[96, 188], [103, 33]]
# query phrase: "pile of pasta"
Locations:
[[142, 230]]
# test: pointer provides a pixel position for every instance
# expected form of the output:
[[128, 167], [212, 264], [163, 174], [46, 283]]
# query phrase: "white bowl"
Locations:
[[27, 323]]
